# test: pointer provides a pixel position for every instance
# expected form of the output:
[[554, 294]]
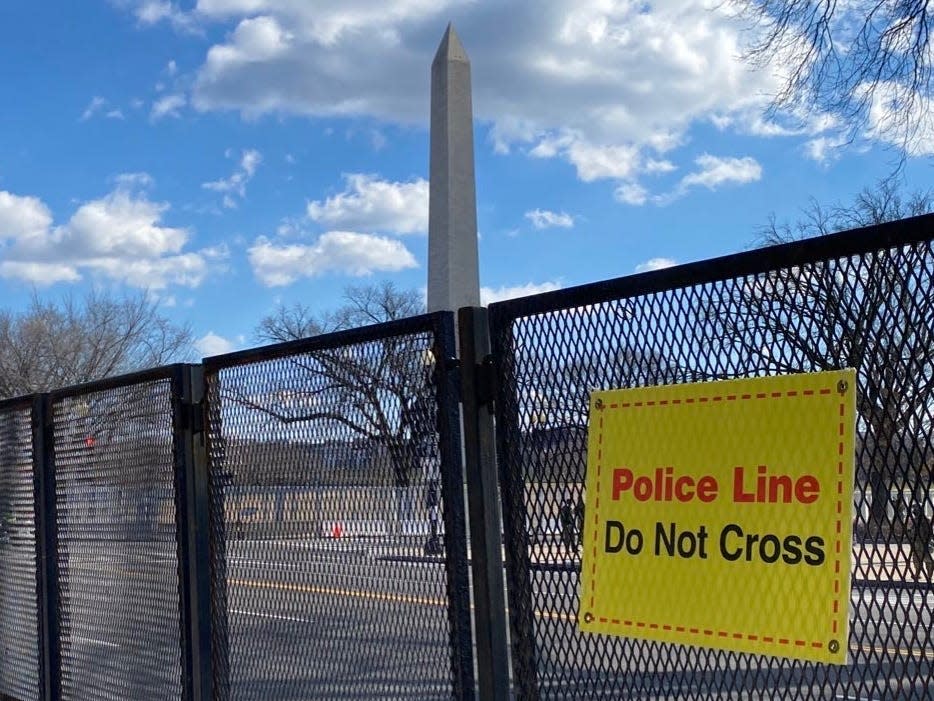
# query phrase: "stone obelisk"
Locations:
[[453, 268]]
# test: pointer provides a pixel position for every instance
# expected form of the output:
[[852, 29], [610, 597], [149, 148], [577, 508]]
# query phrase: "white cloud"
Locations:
[[212, 344], [236, 183], [370, 204], [96, 104], [900, 117], [543, 219], [344, 252], [117, 237], [22, 217], [605, 86], [186, 269], [377, 139], [489, 295], [592, 161], [256, 40], [134, 180], [654, 166], [824, 149], [712, 172], [39, 273], [168, 106], [122, 223], [715, 171], [511, 130], [631, 193], [655, 264], [151, 12]]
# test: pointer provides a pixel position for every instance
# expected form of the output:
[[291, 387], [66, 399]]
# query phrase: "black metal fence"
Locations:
[[336, 496], [19, 662], [290, 522], [108, 465], [862, 299]]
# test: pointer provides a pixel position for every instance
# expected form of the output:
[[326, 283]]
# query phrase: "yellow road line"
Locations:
[[337, 591], [551, 615], [557, 616], [897, 651]]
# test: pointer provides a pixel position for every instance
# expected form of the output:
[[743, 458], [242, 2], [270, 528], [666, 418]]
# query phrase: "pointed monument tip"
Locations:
[[450, 48]]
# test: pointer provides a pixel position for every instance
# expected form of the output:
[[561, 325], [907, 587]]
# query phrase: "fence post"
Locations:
[[483, 507], [217, 479], [193, 530], [47, 582], [517, 546], [452, 493]]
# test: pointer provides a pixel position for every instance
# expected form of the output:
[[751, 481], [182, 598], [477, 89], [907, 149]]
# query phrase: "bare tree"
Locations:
[[52, 344], [58, 343], [378, 391], [874, 313], [555, 392], [371, 304], [868, 59], [597, 347]]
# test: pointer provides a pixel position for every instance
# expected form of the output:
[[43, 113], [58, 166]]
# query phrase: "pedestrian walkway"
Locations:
[[885, 563]]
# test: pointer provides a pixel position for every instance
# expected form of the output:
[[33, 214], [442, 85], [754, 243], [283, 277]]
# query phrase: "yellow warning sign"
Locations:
[[719, 514]]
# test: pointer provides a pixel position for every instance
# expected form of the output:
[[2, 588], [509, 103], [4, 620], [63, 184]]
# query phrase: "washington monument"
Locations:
[[453, 270]]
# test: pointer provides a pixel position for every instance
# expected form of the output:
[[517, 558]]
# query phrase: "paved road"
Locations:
[[891, 656], [340, 619], [19, 666], [313, 621]]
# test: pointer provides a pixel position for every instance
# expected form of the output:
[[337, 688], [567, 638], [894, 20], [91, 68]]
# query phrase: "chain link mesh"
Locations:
[[328, 516], [872, 310], [118, 553], [19, 646]]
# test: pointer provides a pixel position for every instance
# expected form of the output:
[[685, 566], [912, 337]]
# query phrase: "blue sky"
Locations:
[[230, 155]]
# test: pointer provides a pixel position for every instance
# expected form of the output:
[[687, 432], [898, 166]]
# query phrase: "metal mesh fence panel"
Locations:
[[117, 546], [862, 299], [19, 645], [338, 538]]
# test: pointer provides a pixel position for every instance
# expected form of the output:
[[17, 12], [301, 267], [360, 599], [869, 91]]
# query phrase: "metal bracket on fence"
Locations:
[[193, 416], [483, 505], [47, 582], [486, 382], [193, 529]]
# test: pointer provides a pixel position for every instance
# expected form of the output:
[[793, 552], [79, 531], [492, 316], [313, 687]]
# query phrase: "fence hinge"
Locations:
[[193, 417], [486, 382]]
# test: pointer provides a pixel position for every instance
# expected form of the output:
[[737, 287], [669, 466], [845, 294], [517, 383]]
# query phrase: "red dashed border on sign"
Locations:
[[703, 632]]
